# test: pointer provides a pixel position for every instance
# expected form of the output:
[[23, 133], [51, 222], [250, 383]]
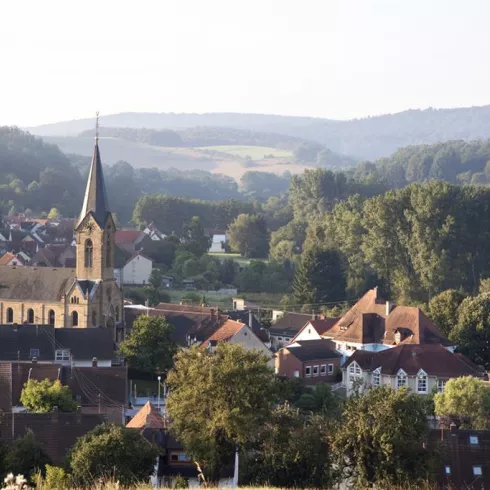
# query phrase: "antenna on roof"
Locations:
[[97, 127]]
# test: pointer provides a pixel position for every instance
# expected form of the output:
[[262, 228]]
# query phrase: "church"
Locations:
[[87, 296]]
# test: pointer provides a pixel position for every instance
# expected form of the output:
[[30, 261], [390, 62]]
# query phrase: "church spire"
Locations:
[[95, 199]]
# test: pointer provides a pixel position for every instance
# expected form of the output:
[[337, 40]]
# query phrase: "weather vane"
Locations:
[[97, 125]]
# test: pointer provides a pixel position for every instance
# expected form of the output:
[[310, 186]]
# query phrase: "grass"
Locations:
[[242, 261], [254, 152]]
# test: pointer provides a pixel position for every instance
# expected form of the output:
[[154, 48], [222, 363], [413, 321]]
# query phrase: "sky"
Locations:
[[339, 59]]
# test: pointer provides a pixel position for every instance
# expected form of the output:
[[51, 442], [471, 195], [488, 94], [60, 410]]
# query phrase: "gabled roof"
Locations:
[[128, 237], [95, 199], [86, 343], [147, 417], [289, 324], [7, 258], [35, 284], [434, 359], [226, 332], [17, 341], [313, 350], [244, 317]]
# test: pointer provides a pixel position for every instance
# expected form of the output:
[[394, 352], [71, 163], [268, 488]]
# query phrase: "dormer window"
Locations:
[[401, 379], [421, 382]]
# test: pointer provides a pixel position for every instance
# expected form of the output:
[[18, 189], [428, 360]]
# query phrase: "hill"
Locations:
[[368, 138]]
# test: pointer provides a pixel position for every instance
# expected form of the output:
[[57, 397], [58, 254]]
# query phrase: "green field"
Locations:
[[254, 152], [242, 261]]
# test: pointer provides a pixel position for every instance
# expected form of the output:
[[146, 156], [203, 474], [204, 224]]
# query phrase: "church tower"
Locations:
[[95, 230], [101, 304]]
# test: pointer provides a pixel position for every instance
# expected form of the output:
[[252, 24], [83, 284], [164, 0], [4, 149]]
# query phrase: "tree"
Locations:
[[290, 451], [319, 278], [249, 236], [472, 332], [150, 347], [380, 438], [43, 396], [53, 214], [467, 399], [111, 451], [25, 456], [194, 240], [321, 400], [217, 401], [443, 309]]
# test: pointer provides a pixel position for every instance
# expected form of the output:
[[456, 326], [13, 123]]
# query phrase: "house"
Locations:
[[55, 255], [464, 457], [136, 269], [154, 233], [193, 324], [172, 461], [46, 344], [218, 240], [129, 240], [375, 324], [315, 329], [241, 304], [314, 361], [251, 320], [56, 431], [286, 328], [238, 333], [98, 390], [422, 368], [9, 259]]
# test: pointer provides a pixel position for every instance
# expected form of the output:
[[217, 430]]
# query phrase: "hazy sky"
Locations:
[[64, 59]]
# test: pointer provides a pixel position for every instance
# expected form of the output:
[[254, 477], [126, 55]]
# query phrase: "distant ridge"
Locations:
[[368, 138]]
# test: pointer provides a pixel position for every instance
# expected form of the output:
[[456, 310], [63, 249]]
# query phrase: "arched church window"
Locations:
[[89, 253], [10, 315], [74, 319], [108, 252], [117, 313], [30, 315], [94, 318], [51, 317]]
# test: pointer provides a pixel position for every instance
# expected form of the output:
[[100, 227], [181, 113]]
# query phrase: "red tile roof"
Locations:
[[147, 417], [434, 359], [228, 330], [8, 257], [127, 236]]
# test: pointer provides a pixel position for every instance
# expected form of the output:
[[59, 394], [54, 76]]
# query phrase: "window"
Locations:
[[33, 353], [352, 369], [10, 315], [358, 369], [286, 339], [477, 471], [296, 373], [447, 470], [62, 355], [30, 315], [330, 369], [117, 313], [308, 371], [279, 338], [377, 377], [180, 457], [89, 253], [51, 317], [473, 439], [74, 319], [94, 318], [421, 382], [323, 370], [441, 383], [401, 379], [315, 370]]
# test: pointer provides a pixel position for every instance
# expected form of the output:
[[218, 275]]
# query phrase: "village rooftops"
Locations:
[[313, 350]]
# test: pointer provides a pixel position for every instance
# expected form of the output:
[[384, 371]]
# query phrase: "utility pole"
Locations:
[[158, 401], [98, 397]]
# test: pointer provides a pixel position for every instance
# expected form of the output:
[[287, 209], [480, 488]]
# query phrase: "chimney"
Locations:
[[453, 429], [34, 360], [250, 319], [95, 362], [389, 307], [181, 303], [79, 415], [54, 415]]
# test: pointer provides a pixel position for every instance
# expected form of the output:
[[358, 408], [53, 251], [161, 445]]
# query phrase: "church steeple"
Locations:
[[95, 199]]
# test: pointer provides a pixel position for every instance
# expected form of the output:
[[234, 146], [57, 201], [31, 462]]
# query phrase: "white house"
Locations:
[[136, 270], [218, 241]]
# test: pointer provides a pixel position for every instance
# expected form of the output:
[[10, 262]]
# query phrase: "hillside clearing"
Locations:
[[254, 152]]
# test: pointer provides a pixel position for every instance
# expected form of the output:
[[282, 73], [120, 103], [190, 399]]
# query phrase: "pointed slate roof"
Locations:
[[95, 199]]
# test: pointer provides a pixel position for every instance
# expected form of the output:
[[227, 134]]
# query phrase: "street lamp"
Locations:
[[158, 402]]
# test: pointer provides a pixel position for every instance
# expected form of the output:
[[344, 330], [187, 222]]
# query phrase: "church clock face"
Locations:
[[89, 228]]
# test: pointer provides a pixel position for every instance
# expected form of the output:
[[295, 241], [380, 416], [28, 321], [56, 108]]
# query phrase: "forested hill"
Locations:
[[368, 138], [458, 162]]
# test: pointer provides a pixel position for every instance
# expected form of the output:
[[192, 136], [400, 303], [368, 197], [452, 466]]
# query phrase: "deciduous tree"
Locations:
[[249, 236], [217, 401], [149, 346], [43, 396]]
